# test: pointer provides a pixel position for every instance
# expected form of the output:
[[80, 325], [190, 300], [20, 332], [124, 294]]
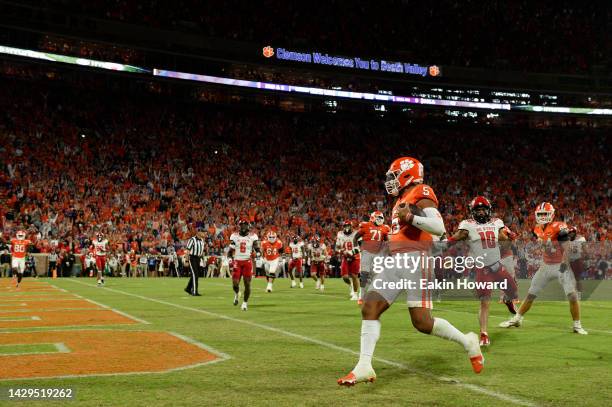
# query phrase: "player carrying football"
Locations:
[[483, 234], [346, 248], [410, 235], [554, 236], [242, 245], [371, 235]]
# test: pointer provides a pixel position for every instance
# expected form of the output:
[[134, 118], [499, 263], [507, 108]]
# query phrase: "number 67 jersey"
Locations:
[[483, 238]]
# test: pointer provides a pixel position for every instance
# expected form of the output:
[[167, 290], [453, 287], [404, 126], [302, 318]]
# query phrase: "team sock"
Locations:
[[370, 332], [443, 329]]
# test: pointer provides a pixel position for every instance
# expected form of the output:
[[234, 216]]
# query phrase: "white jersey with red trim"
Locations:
[[100, 247], [296, 249], [575, 248], [344, 243], [318, 254], [483, 238], [242, 245]]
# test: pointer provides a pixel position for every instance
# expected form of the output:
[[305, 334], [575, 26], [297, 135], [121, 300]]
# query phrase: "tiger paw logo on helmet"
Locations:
[[403, 172], [406, 164]]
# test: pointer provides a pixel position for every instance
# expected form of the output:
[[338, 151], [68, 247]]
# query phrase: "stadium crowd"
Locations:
[[147, 171], [540, 36]]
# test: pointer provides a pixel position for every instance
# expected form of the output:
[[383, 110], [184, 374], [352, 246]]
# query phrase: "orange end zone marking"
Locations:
[[66, 318], [104, 353], [55, 305]]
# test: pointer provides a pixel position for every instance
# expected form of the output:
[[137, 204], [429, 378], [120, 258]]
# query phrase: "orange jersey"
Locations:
[[372, 236], [271, 251], [19, 248], [553, 252], [372, 233], [402, 233]]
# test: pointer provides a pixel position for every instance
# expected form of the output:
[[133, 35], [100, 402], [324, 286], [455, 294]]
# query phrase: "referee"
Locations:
[[195, 247]]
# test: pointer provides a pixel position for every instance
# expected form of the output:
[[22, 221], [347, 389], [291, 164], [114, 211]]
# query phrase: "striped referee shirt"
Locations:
[[195, 245]]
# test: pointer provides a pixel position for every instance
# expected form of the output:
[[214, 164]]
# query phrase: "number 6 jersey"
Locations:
[[483, 239], [242, 245]]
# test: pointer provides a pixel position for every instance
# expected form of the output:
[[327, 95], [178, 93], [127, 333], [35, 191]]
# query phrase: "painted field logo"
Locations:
[[434, 70], [268, 51]]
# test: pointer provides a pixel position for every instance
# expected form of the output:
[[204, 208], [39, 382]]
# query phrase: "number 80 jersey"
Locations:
[[242, 245], [483, 238]]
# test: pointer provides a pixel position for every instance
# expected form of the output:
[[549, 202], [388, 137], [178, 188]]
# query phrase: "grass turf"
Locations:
[[285, 352]]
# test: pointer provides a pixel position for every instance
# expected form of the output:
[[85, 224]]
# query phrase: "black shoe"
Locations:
[[197, 294], [187, 291]]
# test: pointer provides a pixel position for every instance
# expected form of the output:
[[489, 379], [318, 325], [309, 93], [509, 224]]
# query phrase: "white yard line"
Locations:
[[450, 380], [60, 347], [142, 321]]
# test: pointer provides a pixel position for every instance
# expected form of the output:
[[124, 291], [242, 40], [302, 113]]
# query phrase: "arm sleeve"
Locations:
[[432, 222]]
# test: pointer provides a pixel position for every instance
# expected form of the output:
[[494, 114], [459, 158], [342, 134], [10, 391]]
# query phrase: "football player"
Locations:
[[100, 247], [271, 248], [483, 234], [295, 264], [575, 257], [19, 251], [242, 245], [410, 235], [554, 236], [371, 234], [318, 257], [346, 248]]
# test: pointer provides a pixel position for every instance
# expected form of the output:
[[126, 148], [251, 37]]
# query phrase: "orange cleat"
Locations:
[[484, 339], [477, 363], [360, 302], [362, 376], [474, 352]]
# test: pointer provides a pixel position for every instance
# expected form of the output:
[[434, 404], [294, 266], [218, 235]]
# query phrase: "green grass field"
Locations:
[[292, 345]]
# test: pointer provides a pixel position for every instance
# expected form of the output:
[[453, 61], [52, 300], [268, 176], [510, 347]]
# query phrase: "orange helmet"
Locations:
[[403, 172], [544, 213], [271, 236], [377, 218]]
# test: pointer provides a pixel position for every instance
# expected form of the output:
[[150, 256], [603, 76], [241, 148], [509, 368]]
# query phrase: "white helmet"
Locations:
[[272, 236], [21, 235]]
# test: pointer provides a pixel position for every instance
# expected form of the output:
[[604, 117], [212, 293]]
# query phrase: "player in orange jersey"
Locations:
[[19, 251], [555, 236], [416, 223], [271, 249], [371, 234]]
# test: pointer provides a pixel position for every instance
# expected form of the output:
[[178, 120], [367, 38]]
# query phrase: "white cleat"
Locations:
[[358, 375], [293, 284], [354, 297], [235, 299], [301, 285], [322, 288], [269, 288], [516, 322], [318, 285], [580, 330], [244, 306]]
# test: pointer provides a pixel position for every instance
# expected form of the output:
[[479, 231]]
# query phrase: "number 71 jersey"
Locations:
[[483, 238], [242, 245]]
